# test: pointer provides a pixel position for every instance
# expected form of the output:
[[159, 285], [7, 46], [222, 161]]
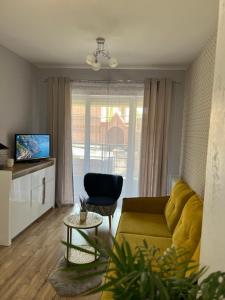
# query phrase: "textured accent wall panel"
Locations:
[[196, 117]]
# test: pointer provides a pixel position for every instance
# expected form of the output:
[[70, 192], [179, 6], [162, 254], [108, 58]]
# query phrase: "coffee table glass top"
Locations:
[[93, 220]]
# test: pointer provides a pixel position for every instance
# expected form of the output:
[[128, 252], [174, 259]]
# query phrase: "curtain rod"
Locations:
[[113, 81]]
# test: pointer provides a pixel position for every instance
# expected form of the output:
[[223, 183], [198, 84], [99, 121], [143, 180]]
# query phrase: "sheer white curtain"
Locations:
[[106, 131]]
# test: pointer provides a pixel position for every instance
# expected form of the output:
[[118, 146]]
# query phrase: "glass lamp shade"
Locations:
[[96, 66], [113, 63], [90, 59]]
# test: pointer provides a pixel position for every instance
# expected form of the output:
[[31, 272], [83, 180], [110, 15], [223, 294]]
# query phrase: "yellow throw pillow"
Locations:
[[194, 261], [180, 194], [188, 230]]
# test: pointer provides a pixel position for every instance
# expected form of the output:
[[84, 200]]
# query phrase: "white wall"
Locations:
[[213, 237], [87, 74], [196, 117], [17, 96]]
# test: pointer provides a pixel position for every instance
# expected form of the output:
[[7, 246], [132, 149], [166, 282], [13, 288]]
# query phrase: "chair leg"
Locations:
[[110, 224]]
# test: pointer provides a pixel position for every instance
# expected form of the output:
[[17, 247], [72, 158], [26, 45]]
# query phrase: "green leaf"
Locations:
[[84, 267], [129, 256], [80, 248]]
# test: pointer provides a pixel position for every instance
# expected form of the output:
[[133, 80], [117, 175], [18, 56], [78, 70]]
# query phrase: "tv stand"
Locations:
[[32, 161], [23, 168], [27, 192]]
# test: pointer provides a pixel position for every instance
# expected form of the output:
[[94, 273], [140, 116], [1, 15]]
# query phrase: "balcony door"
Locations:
[[106, 131]]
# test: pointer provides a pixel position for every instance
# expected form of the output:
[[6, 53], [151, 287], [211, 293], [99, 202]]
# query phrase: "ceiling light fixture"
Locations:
[[95, 59]]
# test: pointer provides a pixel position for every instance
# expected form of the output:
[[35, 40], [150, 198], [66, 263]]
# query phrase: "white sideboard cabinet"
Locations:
[[26, 192]]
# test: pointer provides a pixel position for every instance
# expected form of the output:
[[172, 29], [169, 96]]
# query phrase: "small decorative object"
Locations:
[[4, 152], [10, 162], [83, 210], [100, 54]]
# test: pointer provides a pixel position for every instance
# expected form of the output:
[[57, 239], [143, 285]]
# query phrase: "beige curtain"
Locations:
[[59, 123], [154, 140]]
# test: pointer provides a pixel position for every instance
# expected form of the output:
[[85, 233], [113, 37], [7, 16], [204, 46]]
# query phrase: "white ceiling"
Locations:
[[140, 33]]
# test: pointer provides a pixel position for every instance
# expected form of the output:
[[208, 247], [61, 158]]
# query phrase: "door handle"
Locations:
[[44, 190]]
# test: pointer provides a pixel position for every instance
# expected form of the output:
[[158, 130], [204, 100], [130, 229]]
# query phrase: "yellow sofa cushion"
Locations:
[[137, 240], [195, 261], [152, 205], [196, 256], [188, 230], [107, 296], [145, 224], [180, 194]]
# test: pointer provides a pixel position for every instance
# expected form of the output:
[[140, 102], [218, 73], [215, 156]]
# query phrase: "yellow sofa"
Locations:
[[162, 221]]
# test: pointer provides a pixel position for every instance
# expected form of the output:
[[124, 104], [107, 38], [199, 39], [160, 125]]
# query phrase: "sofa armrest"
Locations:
[[155, 205]]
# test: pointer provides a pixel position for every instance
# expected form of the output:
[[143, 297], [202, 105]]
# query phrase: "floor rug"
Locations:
[[66, 283]]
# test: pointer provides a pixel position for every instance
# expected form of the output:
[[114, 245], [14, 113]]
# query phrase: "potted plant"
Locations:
[[145, 274], [83, 210]]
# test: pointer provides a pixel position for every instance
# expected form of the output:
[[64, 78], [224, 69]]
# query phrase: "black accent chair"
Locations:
[[103, 192]]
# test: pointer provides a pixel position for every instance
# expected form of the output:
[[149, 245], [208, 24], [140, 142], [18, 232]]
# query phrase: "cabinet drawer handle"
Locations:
[[44, 190]]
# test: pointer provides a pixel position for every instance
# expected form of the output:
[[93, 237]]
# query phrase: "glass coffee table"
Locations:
[[73, 221]]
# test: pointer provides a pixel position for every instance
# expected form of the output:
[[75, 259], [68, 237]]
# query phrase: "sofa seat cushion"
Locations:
[[107, 296], [142, 223], [101, 201], [188, 230], [137, 240], [180, 194], [194, 264]]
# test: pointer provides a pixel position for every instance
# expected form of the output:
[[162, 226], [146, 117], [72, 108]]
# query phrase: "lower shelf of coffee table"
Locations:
[[79, 257]]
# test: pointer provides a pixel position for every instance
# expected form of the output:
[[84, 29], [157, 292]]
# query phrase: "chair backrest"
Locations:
[[103, 185]]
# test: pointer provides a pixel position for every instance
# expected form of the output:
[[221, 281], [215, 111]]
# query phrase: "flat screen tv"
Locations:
[[32, 147]]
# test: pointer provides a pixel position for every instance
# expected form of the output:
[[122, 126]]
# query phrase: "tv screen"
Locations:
[[32, 146]]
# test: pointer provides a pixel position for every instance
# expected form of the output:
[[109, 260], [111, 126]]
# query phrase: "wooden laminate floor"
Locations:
[[27, 263]]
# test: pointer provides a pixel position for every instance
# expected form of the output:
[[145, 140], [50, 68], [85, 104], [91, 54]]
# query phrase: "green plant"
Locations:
[[212, 287], [145, 274], [83, 205]]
